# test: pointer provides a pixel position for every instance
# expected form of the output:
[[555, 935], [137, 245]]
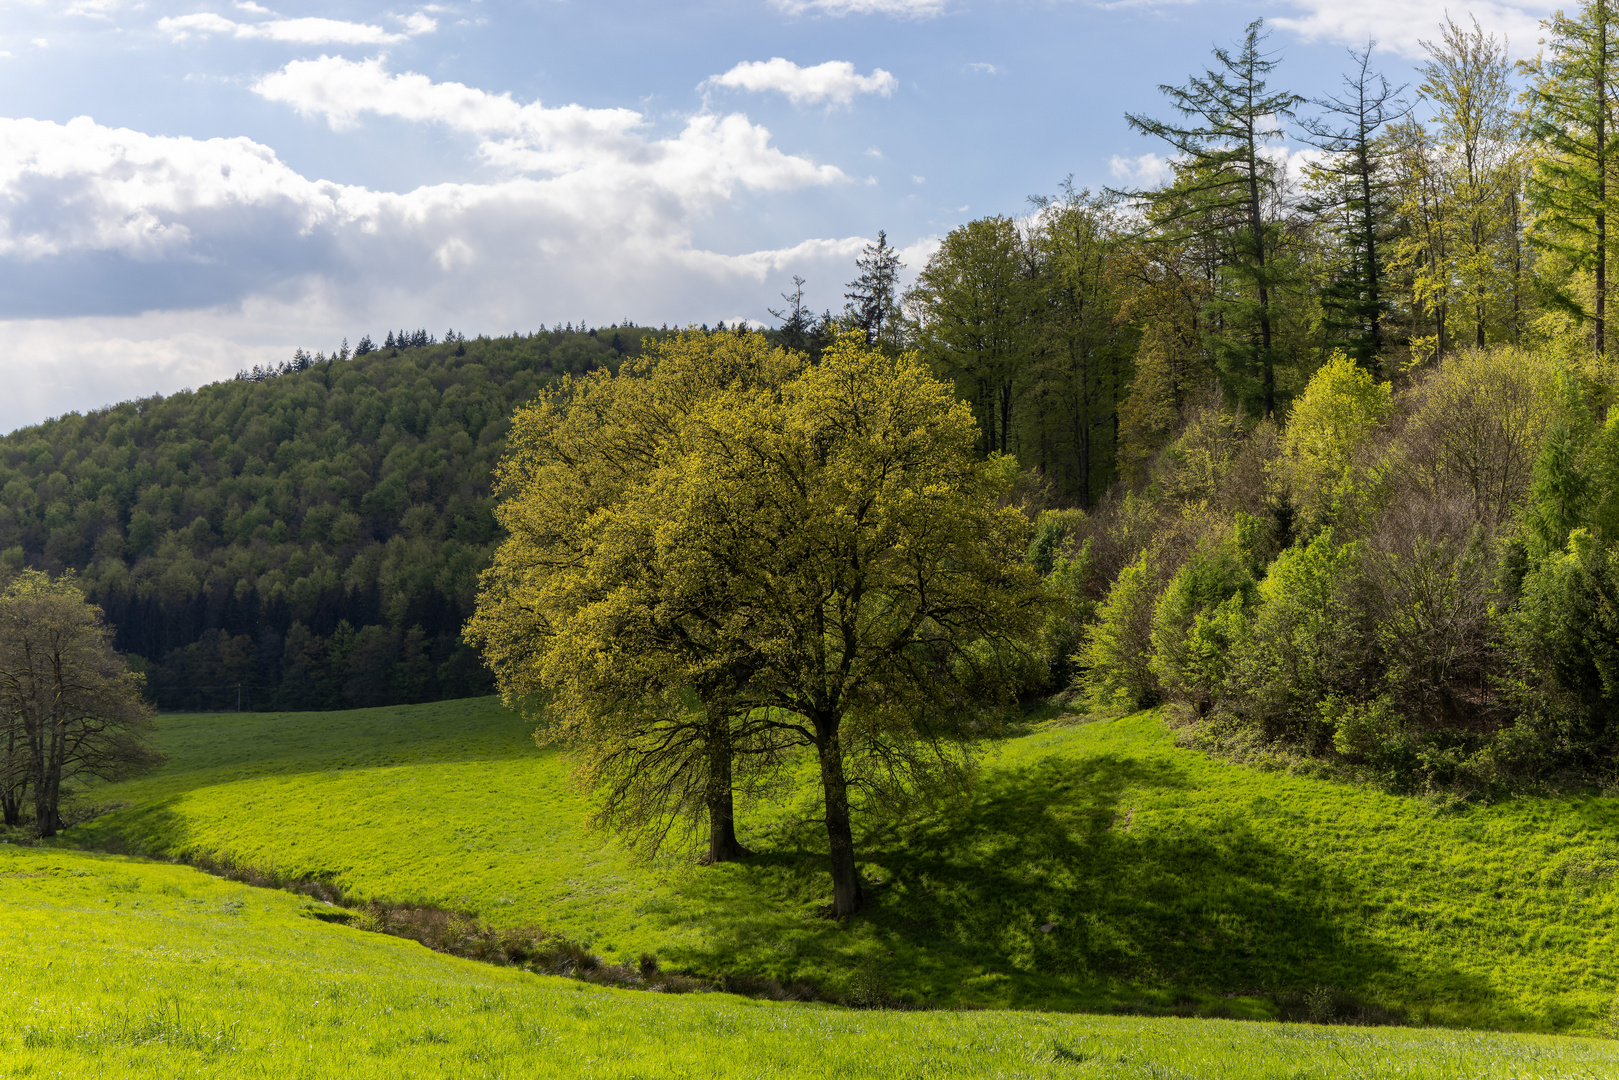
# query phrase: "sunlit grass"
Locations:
[[1098, 867], [115, 967]]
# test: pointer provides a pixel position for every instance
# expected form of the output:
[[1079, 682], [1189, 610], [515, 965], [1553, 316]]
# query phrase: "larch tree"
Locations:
[[1225, 185], [1571, 122], [70, 706]]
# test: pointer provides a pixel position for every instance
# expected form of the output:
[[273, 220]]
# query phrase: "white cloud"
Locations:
[[1146, 171], [711, 156], [1400, 27], [169, 252], [250, 6], [305, 31], [93, 9], [915, 9], [835, 82], [984, 69]]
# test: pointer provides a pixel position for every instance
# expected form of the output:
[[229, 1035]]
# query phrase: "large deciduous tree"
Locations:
[[69, 704], [724, 552], [974, 305], [594, 622], [1467, 78], [870, 559]]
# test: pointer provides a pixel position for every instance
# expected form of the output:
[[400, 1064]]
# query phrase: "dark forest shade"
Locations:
[[307, 540]]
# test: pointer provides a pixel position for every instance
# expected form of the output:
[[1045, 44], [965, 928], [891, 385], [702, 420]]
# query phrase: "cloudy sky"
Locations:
[[188, 187]]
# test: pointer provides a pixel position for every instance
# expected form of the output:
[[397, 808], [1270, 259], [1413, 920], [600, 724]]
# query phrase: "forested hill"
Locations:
[[304, 539]]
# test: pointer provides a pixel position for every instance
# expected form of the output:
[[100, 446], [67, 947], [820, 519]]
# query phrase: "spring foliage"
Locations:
[[813, 551]]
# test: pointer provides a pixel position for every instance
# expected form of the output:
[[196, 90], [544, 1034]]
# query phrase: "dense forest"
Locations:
[[1358, 405], [304, 536]]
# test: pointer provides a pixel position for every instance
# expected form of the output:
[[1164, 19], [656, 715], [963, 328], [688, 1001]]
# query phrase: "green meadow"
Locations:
[[1097, 867], [126, 968]]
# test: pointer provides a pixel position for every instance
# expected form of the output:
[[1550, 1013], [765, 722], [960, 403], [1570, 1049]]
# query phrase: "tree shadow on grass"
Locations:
[[1045, 891]]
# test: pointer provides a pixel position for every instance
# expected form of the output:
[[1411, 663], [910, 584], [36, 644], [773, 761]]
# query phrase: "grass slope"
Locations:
[[1098, 867], [132, 969]]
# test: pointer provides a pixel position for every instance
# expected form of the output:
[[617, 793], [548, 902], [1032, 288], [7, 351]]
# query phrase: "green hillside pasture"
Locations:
[[122, 968], [1098, 867]]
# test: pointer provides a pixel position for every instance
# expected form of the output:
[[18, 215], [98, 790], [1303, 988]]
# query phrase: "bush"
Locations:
[[1304, 642], [1117, 658], [1197, 619]]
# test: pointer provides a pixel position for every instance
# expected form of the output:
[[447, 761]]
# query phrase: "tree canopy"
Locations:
[[813, 552]]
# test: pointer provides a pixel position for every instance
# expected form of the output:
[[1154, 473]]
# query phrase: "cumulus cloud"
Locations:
[[1401, 27], [304, 31], [904, 8], [1144, 171], [115, 242], [835, 82], [984, 69], [707, 160]]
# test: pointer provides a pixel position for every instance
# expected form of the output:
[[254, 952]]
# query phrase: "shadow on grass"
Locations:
[[1044, 891]]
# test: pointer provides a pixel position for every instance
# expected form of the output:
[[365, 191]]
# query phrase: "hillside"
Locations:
[[139, 970], [1099, 867], [309, 539]]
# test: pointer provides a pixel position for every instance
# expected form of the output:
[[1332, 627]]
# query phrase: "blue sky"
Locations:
[[188, 188]]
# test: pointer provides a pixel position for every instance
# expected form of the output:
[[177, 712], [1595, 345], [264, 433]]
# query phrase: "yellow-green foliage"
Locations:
[[134, 970], [1327, 428], [1171, 880]]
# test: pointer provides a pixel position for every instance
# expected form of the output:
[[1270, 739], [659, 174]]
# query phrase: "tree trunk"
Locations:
[[48, 779], [846, 893], [1602, 184], [722, 842]]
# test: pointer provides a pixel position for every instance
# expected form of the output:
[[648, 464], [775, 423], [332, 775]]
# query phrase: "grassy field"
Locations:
[[116, 967], [1098, 867]]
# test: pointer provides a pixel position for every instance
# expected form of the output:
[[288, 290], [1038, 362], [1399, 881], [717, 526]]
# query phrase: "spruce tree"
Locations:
[[1571, 100], [1353, 185], [1223, 185], [873, 296]]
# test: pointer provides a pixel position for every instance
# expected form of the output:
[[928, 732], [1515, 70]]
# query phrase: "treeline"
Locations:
[[1367, 439], [1459, 213], [303, 538]]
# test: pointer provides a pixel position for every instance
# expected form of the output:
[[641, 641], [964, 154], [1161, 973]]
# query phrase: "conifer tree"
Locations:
[[1225, 186], [1571, 100], [1353, 183], [873, 296]]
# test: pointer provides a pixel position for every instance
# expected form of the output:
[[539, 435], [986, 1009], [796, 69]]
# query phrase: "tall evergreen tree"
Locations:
[[1571, 98], [873, 296], [1225, 185], [1353, 184]]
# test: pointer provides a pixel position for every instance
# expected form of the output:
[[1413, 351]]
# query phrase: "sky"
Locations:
[[191, 188]]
